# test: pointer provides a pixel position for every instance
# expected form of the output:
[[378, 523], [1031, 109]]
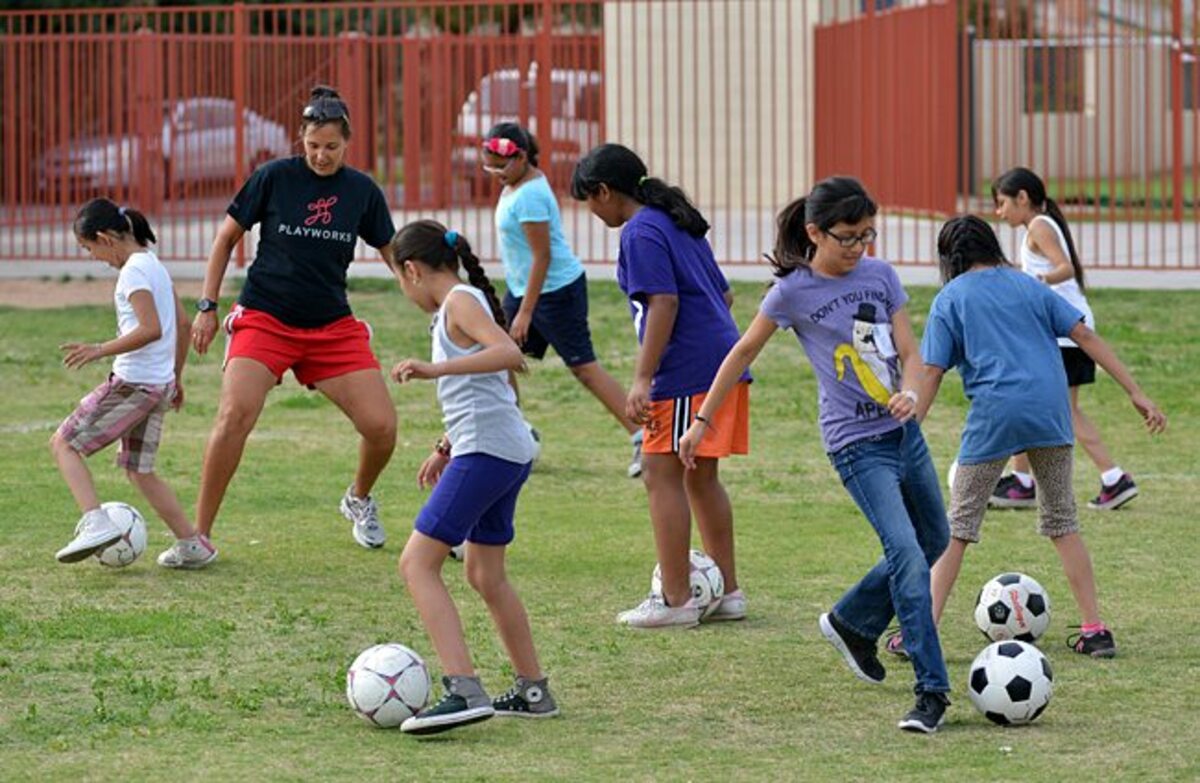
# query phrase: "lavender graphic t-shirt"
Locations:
[[845, 326]]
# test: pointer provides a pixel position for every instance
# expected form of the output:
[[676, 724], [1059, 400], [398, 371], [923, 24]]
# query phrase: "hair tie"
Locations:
[[505, 148], [451, 239], [642, 179], [121, 211]]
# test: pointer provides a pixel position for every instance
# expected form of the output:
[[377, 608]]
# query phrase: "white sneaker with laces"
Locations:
[[365, 515], [654, 613], [194, 552], [732, 607], [93, 533]]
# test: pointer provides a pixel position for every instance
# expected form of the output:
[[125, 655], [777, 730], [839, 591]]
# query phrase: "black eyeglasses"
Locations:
[[326, 110], [865, 238]]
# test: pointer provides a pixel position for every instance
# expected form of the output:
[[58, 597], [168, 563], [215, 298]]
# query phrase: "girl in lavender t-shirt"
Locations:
[[848, 312]]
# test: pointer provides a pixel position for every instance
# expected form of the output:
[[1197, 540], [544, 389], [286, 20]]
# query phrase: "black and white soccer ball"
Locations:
[[1011, 682], [132, 543], [1012, 606], [386, 684], [707, 581]]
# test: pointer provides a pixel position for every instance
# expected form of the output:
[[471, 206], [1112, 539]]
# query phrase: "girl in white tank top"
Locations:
[[1048, 253]]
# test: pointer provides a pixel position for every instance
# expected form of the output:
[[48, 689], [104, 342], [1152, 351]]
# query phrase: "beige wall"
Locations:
[[715, 95], [1123, 130]]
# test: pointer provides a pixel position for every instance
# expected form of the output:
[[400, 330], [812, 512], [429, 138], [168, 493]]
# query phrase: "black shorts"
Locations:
[[1081, 370], [559, 320]]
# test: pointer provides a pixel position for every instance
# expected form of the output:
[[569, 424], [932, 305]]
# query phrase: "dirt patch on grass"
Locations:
[[48, 294]]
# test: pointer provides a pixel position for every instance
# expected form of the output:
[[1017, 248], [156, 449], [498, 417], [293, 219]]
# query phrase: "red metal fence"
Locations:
[[744, 103]]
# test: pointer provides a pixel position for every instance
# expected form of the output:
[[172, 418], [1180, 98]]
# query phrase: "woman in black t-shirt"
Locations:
[[293, 313]]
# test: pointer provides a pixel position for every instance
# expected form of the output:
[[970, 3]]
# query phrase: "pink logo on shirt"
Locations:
[[320, 211]]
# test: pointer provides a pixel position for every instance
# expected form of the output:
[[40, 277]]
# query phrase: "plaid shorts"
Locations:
[[117, 409]]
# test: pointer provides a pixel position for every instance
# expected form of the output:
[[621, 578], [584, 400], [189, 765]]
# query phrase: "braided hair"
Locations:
[[429, 242], [965, 241]]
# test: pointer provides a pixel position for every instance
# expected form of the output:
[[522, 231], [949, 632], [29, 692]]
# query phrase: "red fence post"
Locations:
[[410, 88], [148, 175], [1177, 110], [352, 80], [240, 44]]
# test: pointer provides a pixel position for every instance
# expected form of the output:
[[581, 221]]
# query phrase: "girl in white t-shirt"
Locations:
[[149, 351], [1048, 253]]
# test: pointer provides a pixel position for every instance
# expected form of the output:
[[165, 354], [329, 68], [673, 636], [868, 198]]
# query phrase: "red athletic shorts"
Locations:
[[313, 355], [727, 433]]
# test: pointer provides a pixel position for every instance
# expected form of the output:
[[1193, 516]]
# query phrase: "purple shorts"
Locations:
[[117, 409], [475, 499]]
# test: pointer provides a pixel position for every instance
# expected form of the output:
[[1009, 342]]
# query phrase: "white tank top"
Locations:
[[1034, 264], [479, 411]]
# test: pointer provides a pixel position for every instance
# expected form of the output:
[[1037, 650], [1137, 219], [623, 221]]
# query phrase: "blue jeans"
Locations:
[[892, 479]]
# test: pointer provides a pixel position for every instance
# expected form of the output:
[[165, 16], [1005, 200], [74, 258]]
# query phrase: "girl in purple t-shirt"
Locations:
[[680, 305], [848, 312]]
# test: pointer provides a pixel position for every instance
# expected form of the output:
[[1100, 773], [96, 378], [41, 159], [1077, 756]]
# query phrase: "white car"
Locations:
[[198, 144], [576, 108]]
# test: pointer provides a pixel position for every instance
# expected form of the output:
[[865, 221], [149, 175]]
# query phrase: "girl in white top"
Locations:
[[1048, 253], [477, 469], [148, 355]]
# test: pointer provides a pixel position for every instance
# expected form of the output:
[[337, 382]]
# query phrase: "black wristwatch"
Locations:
[[206, 305]]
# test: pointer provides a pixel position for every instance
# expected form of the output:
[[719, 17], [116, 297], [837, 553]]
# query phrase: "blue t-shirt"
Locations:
[[533, 202], [310, 226], [1000, 328], [658, 257], [845, 326]]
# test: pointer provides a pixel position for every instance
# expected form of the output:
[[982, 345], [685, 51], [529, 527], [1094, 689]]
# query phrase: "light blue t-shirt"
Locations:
[[533, 202], [1000, 328]]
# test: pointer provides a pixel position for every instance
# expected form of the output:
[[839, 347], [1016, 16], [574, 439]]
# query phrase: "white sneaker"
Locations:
[[635, 464], [654, 613], [195, 552], [93, 533], [732, 607], [365, 515]]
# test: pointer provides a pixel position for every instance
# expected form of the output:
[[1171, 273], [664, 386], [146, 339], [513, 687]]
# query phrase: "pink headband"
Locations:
[[505, 148]]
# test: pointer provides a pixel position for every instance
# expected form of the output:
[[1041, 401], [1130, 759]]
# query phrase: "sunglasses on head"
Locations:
[[326, 110]]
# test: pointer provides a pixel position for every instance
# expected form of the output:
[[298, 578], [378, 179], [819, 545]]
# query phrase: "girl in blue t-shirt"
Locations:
[[848, 312], [680, 305], [545, 300], [476, 469], [999, 327]]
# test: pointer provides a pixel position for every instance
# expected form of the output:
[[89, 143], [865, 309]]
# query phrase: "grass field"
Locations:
[[237, 672]]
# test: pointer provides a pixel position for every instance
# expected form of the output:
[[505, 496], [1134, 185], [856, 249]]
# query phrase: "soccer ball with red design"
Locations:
[[386, 684], [1012, 606]]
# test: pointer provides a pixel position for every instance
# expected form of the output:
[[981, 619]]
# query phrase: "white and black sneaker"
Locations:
[[365, 515], [526, 699], [858, 652], [463, 703], [635, 463], [94, 532], [928, 714]]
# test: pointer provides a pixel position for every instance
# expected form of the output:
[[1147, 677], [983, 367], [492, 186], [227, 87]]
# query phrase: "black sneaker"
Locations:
[[454, 710], [1097, 645], [858, 652], [526, 699], [1116, 495], [1011, 493], [928, 714]]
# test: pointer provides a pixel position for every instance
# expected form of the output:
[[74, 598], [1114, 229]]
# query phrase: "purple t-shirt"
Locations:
[[845, 326], [658, 257]]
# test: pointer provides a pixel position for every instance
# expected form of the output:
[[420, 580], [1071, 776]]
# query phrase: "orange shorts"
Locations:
[[313, 355], [727, 433]]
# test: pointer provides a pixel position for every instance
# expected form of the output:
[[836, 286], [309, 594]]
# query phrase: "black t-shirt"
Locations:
[[309, 226]]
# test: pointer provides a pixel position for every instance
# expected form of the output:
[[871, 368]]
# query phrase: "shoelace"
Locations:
[[511, 696], [1075, 641]]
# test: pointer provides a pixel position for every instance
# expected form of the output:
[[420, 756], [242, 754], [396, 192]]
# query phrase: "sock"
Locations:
[[1025, 479], [1111, 476], [636, 438], [1087, 629]]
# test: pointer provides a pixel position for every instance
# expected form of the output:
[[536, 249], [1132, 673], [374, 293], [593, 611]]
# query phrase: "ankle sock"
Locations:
[[1025, 479], [1087, 629], [1111, 476]]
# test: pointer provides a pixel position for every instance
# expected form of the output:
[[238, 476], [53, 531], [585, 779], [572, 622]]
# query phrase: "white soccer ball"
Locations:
[[708, 583], [537, 441], [951, 472], [1011, 682], [1012, 606], [133, 535], [386, 684]]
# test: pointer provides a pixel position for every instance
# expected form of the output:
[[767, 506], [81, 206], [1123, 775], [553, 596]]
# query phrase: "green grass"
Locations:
[[1152, 192], [237, 672]]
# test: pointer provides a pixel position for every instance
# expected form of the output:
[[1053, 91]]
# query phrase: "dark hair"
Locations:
[[517, 135], [1013, 181], [622, 170], [429, 242], [325, 106], [100, 214], [831, 201], [965, 241]]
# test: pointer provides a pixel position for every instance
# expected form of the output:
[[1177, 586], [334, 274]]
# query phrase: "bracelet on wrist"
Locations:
[[442, 446], [702, 419]]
